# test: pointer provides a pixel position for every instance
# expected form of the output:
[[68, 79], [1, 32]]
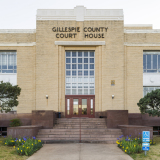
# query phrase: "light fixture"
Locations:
[[46, 96], [112, 96]]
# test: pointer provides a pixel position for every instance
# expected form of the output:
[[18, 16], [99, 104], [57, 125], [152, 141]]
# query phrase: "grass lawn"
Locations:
[[9, 153], [152, 154]]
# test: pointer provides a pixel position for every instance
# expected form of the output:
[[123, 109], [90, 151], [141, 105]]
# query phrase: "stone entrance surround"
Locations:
[[113, 118]]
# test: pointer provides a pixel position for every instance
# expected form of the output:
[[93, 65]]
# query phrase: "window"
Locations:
[[80, 74], [8, 62], [156, 130], [148, 90], [151, 61]]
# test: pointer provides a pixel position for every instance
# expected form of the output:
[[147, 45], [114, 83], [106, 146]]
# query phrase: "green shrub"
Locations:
[[24, 146], [9, 141], [15, 122], [29, 147], [131, 145]]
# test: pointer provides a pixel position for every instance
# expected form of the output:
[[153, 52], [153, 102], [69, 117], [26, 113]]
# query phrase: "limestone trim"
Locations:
[[79, 13], [142, 31], [80, 43], [18, 44], [137, 25], [17, 30], [141, 44]]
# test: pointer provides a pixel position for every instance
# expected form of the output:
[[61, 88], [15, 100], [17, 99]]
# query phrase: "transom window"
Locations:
[[148, 90], [80, 73], [8, 62], [151, 62]]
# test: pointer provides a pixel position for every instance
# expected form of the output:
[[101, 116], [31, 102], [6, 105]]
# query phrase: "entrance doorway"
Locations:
[[80, 106]]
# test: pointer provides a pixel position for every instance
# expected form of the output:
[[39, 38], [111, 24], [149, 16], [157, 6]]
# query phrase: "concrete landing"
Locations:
[[80, 151]]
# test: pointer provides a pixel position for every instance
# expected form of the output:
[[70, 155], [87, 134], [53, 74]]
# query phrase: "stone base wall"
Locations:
[[116, 117], [143, 119], [135, 131], [44, 118], [5, 118], [21, 131]]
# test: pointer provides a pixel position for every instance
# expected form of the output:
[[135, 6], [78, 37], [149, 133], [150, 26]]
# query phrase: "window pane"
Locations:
[[10, 61], [85, 54], [79, 54], [91, 60], [151, 71], [85, 79], [144, 61], [85, 66], [73, 73], [85, 60], [68, 106], [91, 85], [68, 54], [74, 91], [75, 106], [159, 62], [92, 73], [68, 73], [85, 85], [74, 85], [68, 91], [74, 79], [85, 73], [91, 66], [0, 61], [73, 54], [79, 60], [79, 85], [91, 54], [148, 61], [79, 91], [91, 79], [154, 61], [85, 91], [68, 66], [68, 79], [68, 85], [68, 60], [73, 60], [79, 66], [74, 66], [79, 79], [91, 91], [15, 62], [7, 71], [80, 73], [4, 61]]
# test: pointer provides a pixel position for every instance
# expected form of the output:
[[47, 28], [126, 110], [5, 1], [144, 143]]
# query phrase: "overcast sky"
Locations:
[[21, 14]]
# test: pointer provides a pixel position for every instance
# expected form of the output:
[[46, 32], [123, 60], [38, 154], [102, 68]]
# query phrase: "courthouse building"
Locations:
[[81, 62]]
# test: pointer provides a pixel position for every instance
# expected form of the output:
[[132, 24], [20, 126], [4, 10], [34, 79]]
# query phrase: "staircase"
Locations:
[[84, 130]]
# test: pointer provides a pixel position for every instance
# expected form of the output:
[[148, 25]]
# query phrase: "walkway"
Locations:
[[80, 151]]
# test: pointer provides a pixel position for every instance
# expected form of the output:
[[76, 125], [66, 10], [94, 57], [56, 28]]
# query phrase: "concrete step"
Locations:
[[85, 123], [87, 130], [99, 124], [91, 130], [85, 127], [73, 140], [113, 137]]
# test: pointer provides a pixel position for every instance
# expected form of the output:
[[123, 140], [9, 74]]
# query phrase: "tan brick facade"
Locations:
[[41, 64]]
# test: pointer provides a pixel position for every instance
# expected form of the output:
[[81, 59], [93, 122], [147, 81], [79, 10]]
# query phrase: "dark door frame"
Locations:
[[80, 97]]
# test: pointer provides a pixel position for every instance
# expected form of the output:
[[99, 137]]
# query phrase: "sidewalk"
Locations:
[[80, 151]]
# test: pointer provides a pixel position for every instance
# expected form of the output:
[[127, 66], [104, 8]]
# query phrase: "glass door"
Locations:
[[80, 106], [75, 107]]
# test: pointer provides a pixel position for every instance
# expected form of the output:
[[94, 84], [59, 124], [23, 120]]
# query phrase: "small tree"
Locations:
[[8, 96], [150, 103]]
